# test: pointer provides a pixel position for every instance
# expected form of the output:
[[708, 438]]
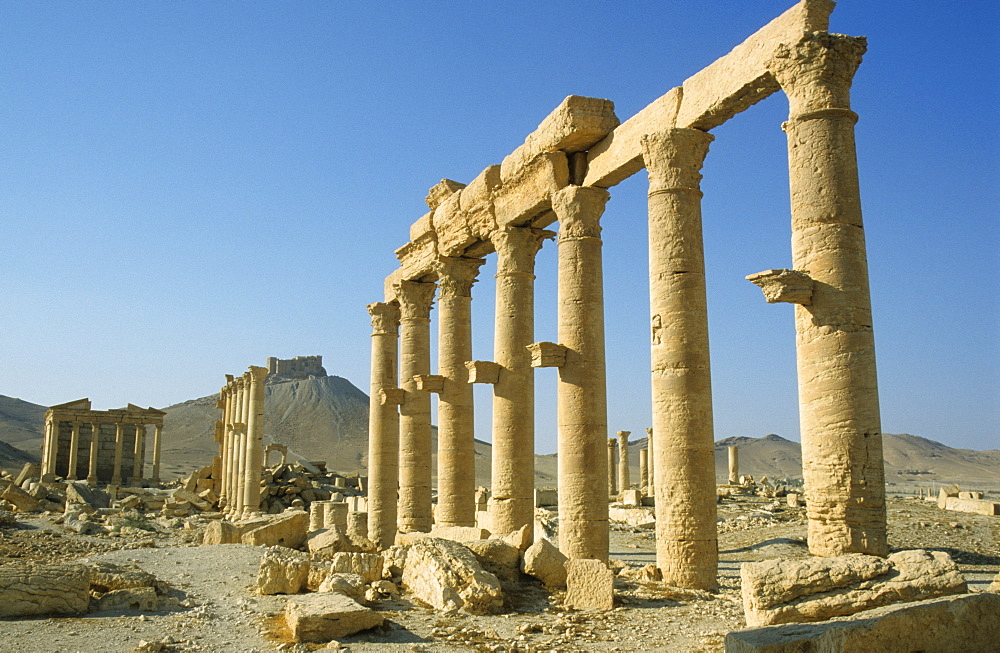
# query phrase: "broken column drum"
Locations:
[[415, 472], [383, 424], [686, 538], [835, 346]]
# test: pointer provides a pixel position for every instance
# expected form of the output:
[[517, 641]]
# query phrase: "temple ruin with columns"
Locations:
[[560, 178]]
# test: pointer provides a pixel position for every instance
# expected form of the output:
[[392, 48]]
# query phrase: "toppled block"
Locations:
[[631, 498], [546, 563], [446, 575], [590, 585], [282, 571], [366, 565], [80, 496], [221, 532], [948, 625], [34, 590], [328, 542], [17, 497], [287, 529], [327, 616], [350, 585], [30, 470], [462, 534], [546, 497], [637, 517], [783, 591], [109, 577], [182, 494], [792, 499], [498, 557]]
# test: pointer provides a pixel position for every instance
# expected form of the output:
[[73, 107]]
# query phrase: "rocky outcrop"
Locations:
[[447, 576], [783, 591]]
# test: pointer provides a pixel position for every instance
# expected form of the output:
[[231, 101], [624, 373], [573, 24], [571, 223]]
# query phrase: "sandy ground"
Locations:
[[224, 615]]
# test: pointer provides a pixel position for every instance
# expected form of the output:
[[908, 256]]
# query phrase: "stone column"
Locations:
[[51, 450], [226, 446], [644, 471], [116, 476], [137, 454], [456, 445], [734, 465], [239, 448], [74, 445], [650, 445], [612, 468], [835, 347], [512, 505], [415, 300], [582, 386], [383, 425], [255, 440], [686, 535], [95, 444], [157, 441], [624, 473]]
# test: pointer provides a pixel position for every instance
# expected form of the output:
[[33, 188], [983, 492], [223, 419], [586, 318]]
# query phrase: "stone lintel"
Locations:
[[418, 257], [483, 371], [424, 226], [451, 225], [575, 125], [429, 382], [391, 396], [481, 188], [547, 354], [529, 193], [789, 286], [441, 191]]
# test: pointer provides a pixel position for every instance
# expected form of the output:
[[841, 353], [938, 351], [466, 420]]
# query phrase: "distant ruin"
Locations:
[[300, 367], [102, 446]]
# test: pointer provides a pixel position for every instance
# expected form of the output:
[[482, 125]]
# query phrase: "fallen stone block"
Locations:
[[975, 506], [393, 561], [783, 591], [546, 563], [636, 517], [182, 494], [590, 585], [446, 575], [287, 529], [546, 497], [462, 534], [20, 499], [34, 590], [646, 573], [30, 470], [366, 565], [282, 571], [108, 577], [945, 625], [327, 542], [351, 585], [323, 617], [142, 599], [221, 532], [631, 497], [498, 557]]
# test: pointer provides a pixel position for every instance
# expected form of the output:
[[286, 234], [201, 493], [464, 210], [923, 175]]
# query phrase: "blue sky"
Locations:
[[188, 188]]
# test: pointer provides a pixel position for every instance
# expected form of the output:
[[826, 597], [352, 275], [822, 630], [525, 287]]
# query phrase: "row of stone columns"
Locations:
[[839, 407], [242, 447], [50, 451]]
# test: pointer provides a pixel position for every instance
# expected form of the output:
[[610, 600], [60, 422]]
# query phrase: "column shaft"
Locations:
[[239, 450], [415, 412], [644, 471], [835, 346], [624, 473], [157, 441], [512, 505], [95, 445], [582, 384], [686, 535], [138, 451], [383, 426], [734, 465], [116, 476], [612, 468], [74, 445], [651, 446], [456, 441], [255, 440]]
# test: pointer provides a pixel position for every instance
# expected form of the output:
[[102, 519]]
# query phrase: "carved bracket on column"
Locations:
[[547, 354], [429, 382], [789, 286], [239, 427], [483, 371], [390, 396]]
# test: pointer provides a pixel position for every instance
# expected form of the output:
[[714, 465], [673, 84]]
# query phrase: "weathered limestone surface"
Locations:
[[498, 557], [589, 585], [686, 537], [287, 529], [351, 585], [366, 565], [20, 499], [788, 286], [835, 347], [582, 383], [327, 616], [447, 576], [782, 591], [282, 571], [327, 542], [546, 563], [954, 624], [44, 590]]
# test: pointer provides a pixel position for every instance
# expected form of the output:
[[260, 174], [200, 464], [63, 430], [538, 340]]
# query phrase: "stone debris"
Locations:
[[351, 585], [282, 571], [21, 500], [589, 585], [447, 576], [366, 565], [498, 557], [546, 563], [322, 617], [954, 624], [782, 591]]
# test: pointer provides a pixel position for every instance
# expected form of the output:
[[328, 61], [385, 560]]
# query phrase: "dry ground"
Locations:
[[225, 616]]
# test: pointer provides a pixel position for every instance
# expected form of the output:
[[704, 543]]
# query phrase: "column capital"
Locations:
[[612, 443], [816, 73], [579, 210], [456, 275], [623, 435], [415, 299], [674, 157], [256, 374], [516, 248], [385, 318]]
